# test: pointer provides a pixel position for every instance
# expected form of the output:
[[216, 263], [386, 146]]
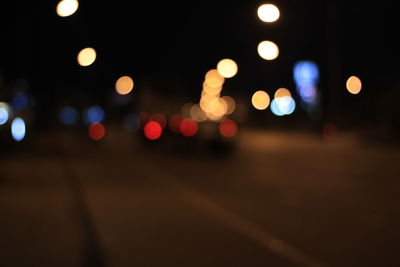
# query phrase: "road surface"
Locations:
[[279, 199]]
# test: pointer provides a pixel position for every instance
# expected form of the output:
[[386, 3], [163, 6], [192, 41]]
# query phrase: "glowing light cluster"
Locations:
[[283, 105], [197, 114], [214, 79], [211, 105], [306, 77]]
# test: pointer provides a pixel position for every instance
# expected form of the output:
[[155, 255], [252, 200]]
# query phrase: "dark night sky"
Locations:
[[171, 40]]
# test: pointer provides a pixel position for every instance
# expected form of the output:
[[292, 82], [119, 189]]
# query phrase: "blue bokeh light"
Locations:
[[3, 116], [305, 73], [69, 115], [283, 106], [93, 114], [18, 129]]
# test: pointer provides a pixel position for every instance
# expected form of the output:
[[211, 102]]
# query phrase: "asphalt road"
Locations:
[[279, 199]]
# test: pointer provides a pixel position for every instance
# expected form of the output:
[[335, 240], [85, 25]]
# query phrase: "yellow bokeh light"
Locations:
[[214, 79], [185, 111], [124, 85], [227, 68], [211, 90], [197, 114], [86, 56], [268, 13], [260, 100], [66, 8], [220, 107], [353, 85], [214, 117], [209, 103], [231, 104], [268, 50], [281, 92]]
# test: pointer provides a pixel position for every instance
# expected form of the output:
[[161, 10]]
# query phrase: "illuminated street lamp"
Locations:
[[86, 56], [268, 50], [66, 8], [268, 13]]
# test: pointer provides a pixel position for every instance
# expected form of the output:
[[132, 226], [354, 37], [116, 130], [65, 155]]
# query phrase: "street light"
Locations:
[[260, 100], [268, 13], [86, 56], [353, 85], [66, 8], [268, 50]]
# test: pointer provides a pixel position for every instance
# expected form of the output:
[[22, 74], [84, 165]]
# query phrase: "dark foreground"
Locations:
[[278, 200]]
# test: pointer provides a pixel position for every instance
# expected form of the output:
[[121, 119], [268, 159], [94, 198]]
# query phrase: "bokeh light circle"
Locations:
[[281, 92], [260, 100], [227, 68], [96, 131], [69, 115], [268, 50], [66, 8], [86, 56], [214, 79], [175, 123], [353, 85], [152, 130], [18, 129], [124, 85], [189, 127], [268, 13], [227, 128]]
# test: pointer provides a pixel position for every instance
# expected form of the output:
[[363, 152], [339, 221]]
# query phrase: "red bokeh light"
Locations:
[[188, 127], [227, 128], [160, 118], [175, 123], [152, 130], [96, 131]]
